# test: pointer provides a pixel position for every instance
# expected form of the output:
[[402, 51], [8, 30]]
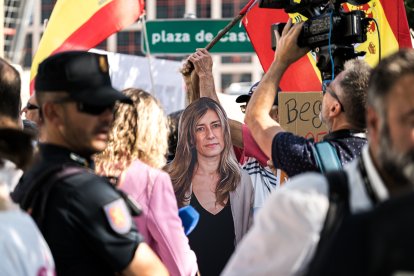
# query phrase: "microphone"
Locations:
[[189, 217]]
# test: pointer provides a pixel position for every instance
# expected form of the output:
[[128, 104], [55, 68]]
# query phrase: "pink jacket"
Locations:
[[160, 224]]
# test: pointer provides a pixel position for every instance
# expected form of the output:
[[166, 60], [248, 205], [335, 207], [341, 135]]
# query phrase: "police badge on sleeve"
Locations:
[[118, 216]]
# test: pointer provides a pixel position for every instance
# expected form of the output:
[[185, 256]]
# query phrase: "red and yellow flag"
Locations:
[[83, 24], [304, 75]]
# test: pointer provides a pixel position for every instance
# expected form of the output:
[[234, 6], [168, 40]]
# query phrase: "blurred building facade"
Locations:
[[33, 15]]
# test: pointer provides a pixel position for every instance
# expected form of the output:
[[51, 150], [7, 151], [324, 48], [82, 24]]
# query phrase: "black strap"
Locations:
[[35, 200], [367, 183], [338, 209]]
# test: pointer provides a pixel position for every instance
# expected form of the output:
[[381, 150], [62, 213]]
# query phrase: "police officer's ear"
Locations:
[[52, 112]]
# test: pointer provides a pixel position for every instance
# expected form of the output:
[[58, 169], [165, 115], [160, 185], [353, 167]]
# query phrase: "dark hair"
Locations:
[[173, 119], [386, 75], [354, 87], [10, 84]]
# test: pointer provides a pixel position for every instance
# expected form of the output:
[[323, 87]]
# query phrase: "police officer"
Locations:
[[85, 221]]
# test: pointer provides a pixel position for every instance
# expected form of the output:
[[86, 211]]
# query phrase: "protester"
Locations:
[[31, 123], [205, 174], [248, 153], [136, 152], [284, 242], [343, 108], [22, 247], [84, 219]]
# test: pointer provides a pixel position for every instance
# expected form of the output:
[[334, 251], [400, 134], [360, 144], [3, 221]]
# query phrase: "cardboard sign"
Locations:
[[299, 114]]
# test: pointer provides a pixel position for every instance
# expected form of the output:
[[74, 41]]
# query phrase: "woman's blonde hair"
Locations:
[[140, 131], [182, 167]]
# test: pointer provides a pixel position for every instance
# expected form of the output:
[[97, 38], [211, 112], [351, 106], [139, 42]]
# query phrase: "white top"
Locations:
[[9, 177], [286, 230], [263, 180], [23, 250]]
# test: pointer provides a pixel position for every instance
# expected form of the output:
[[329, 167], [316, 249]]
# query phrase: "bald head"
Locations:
[[9, 92]]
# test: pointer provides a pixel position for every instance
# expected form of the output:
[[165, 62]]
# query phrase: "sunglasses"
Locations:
[[243, 108], [88, 108], [30, 106], [327, 89]]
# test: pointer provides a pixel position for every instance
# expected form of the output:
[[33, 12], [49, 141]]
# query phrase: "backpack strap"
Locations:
[[337, 211], [326, 157], [35, 200]]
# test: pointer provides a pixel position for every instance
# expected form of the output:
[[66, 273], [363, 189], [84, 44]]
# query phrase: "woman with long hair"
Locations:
[[205, 174], [135, 153]]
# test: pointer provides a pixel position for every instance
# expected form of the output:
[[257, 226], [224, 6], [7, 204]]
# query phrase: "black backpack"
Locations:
[[376, 242]]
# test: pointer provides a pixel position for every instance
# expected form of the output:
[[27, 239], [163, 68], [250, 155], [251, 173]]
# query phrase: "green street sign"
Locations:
[[178, 37]]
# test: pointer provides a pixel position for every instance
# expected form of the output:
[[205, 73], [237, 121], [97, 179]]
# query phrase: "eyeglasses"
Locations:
[[30, 106], [327, 89], [87, 108]]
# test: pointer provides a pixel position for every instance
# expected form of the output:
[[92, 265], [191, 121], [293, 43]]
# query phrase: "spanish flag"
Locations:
[[83, 24], [303, 75]]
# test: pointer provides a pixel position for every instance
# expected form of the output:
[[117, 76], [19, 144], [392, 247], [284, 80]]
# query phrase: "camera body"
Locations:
[[341, 28], [329, 31]]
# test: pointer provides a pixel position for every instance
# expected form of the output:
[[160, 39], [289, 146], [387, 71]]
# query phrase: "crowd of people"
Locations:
[[92, 180]]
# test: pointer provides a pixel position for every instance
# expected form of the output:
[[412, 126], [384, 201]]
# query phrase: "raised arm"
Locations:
[[261, 125], [203, 67], [191, 82]]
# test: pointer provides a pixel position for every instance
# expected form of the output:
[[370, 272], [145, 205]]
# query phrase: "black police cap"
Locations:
[[245, 98], [84, 75]]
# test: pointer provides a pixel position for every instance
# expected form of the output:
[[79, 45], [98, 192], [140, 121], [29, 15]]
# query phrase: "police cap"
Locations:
[[84, 75], [245, 98]]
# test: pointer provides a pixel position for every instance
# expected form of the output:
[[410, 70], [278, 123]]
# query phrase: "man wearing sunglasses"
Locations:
[[84, 219], [342, 111], [31, 110]]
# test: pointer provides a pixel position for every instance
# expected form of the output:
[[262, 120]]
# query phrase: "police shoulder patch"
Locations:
[[118, 216]]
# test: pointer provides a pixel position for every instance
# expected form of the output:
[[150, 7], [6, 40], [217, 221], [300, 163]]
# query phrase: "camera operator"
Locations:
[[343, 109], [287, 230]]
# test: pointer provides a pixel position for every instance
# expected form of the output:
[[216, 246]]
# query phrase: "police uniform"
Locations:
[[83, 218], [87, 224]]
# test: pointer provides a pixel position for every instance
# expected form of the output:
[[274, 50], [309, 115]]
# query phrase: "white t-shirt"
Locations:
[[23, 250]]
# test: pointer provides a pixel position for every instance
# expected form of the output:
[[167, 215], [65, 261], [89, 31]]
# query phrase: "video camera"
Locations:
[[329, 31]]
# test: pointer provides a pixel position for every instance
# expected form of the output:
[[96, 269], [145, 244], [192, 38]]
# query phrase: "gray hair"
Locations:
[[386, 75], [354, 87]]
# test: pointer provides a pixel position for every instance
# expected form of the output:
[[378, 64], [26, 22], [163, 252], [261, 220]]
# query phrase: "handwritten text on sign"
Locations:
[[299, 114]]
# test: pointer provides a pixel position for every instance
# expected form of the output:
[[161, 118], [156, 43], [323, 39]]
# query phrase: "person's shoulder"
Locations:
[[83, 177], [245, 182], [244, 175], [289, 136], [88, 186], [307, 182], [139, 169], [306, 194]]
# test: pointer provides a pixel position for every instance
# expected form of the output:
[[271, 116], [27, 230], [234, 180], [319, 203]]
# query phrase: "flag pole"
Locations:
[[144, 26], [231, 24], [192, 88]]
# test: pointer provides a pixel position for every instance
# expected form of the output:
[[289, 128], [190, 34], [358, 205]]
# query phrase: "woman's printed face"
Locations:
[[209, 135]]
